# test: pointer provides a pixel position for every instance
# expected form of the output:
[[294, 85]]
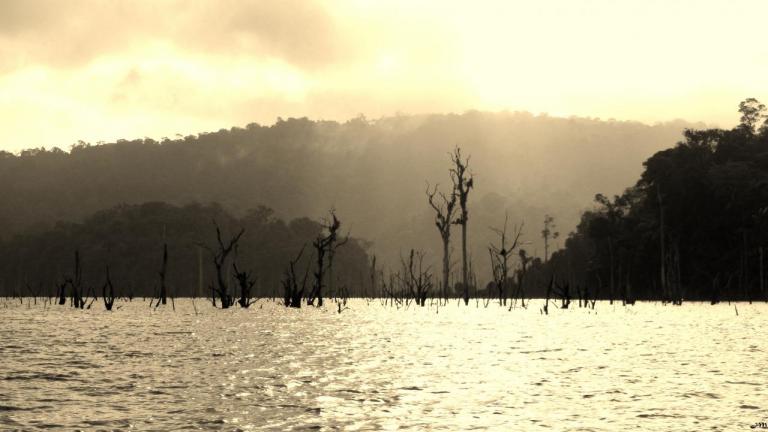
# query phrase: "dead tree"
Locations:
[[463, 182], [443, 220], [549, 294], [589, 302], [293, 292], [388, 288], [564, 292], [372, 276], [75, 282], [163, 273], [219, 256], [108, 293], [92, 294], [416, 281], [580, 295], [342, 301], [332, 248], [500, 259], [325, 245], [163, 292], [321, 248], [61, 292], [246, 283]]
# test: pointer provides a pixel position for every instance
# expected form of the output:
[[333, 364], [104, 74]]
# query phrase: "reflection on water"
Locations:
[[647, 367]]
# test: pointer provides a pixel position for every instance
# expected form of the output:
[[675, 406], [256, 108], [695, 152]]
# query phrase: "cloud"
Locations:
[[299, 32], [70, 34], [108, 69]]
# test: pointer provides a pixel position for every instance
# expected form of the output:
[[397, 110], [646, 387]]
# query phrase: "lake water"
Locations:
[[643, 367]]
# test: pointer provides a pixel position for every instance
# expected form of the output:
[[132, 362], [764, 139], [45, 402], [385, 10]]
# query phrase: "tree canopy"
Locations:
[[130, 238], [696, 218]]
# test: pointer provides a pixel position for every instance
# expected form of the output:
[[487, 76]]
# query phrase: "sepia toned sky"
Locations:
[[107, 69]]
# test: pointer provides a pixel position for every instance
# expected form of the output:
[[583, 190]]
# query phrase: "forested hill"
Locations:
[[372, 172], [694, 226]]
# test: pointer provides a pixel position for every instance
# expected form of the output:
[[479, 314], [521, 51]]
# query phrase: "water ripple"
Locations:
[[374, 368]]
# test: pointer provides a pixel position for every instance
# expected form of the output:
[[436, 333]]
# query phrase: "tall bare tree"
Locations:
[[463, 182], [246, 282], [444, 207], [500, 255], [332, 248], [108, 293], [415, 280], [325, 245], [293, 292], [162, 297], [219, 257], [75, 283]]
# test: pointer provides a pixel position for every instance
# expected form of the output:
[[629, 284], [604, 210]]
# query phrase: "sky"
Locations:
[[100, 70]]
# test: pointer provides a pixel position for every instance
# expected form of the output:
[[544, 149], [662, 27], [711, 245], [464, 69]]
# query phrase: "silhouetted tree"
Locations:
[[246, 283], [444, 208], [547, 233], [129, 231], [293, 290], [548, 295], [693, 227], [162, 292], [285, 166], [75, 282], [219, 257], [564, 292], [325, 245], [415, 279], [500, 255], [525, 260], [752, 112], [463, 183], [108, 292]]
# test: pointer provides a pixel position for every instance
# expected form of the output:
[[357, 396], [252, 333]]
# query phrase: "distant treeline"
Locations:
[[372, 171], [694, 226], [130, 238]]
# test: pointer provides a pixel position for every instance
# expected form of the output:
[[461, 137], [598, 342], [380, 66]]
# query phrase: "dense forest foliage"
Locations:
[[130, 238], [694, 226], [372, 171]]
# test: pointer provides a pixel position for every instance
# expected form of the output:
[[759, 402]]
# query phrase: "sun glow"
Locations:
[[648, 61]]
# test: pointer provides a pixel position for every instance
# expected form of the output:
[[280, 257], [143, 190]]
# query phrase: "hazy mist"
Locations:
[[374, 173]]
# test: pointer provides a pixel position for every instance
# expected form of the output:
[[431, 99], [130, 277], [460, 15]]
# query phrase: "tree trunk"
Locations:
[[163, 291], [610, 254], [662, 252], [62, 294], [446, 266], [464, 269]]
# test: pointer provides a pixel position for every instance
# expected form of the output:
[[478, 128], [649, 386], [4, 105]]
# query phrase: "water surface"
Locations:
[[646, 367]]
